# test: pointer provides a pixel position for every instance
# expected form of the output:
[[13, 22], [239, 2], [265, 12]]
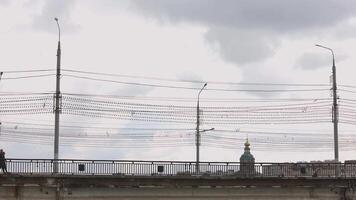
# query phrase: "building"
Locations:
[[247, 162]]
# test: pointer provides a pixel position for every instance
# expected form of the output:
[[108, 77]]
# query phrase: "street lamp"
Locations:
[[335, 106], [57, 109], [198, 131]]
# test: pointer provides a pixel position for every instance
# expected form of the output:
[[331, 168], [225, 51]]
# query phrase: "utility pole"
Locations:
[[335, 108], [58, 97], [197, 169]]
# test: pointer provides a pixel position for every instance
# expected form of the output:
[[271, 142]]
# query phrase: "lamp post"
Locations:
[[197, 169], [57, 109], [335, 109]]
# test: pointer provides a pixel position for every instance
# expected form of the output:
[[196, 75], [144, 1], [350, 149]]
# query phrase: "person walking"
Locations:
[[3, 161]]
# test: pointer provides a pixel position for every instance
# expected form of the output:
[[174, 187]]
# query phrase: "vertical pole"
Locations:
[[197, 139], [335, 113], [335, 108], [197, 168], [57, 109]]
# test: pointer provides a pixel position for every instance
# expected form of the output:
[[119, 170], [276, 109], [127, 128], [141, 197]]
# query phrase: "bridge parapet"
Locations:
[[179, 168]]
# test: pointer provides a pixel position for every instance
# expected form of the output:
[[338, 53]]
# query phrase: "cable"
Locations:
[[347, 86], [28, 71], [189, 81], [25, 77], [191, 88], [350, 91], [2, 93], [97, 102], [180, 99]]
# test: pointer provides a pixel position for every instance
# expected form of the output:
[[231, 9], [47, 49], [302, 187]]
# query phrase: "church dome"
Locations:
[[247, 157]]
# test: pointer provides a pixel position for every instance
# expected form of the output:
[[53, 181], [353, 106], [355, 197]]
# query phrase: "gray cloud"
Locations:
[[344, 31], [241, 47], [4, 2], [247, 33], [191, 76], [133, 91], [51, 9], [312, 61], [244, 32], [262, 74], [273, 14]]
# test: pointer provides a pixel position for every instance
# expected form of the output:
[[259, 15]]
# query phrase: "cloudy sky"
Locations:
[[180, 44]]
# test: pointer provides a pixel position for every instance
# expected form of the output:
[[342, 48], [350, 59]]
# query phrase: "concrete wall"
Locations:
[[229, 193]]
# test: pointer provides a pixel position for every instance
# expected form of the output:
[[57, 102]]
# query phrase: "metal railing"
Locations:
[[179, 168]]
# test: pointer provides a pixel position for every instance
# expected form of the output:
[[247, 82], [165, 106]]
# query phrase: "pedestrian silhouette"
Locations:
[[3, 161]]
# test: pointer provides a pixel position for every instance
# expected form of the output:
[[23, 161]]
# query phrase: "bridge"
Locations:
[[128, 179]]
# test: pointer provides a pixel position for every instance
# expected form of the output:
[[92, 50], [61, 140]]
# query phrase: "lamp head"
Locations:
[[56, 19]]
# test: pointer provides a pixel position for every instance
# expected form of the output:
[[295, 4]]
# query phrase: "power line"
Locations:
[[88, 126], [350, 91], [190, 81], [194, 88], [187, 99], [176, 99], [2, 93], [26, 77], [313, 112], [176, 80], [28, 71], [347, 86], [177, 142]]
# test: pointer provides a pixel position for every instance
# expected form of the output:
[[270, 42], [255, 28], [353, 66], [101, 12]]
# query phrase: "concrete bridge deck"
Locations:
[[31, 187]]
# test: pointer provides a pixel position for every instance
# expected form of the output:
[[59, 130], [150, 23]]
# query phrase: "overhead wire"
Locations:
[[27, 71], [173, 80], [26, 77], [188, 81], [181, 99], [194, 88], [318, 112], [177, 143], [280, 113]]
